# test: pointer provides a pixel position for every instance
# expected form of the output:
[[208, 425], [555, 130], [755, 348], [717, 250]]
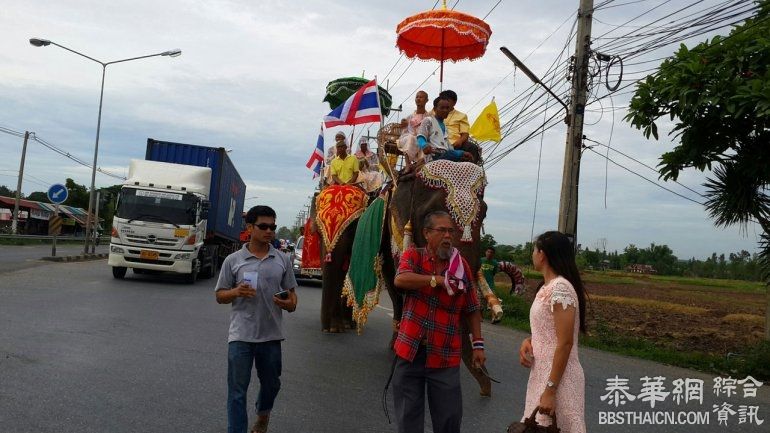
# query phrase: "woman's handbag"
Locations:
[[530, 425]]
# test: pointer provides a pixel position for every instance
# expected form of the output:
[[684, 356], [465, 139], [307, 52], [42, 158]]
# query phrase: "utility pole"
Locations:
[[568, 204], [95, 227], [15, 223]]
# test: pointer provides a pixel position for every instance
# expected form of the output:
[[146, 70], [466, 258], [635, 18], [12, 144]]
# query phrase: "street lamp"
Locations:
[[519, 64], [44, 43]]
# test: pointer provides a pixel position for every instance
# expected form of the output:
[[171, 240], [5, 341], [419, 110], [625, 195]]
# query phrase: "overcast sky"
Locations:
[[252, 76]]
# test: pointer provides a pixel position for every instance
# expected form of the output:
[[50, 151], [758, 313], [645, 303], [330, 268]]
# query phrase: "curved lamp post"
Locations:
[[44, 43]]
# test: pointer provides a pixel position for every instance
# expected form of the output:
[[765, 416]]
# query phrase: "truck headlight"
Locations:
[[116, 250], [182, 256]]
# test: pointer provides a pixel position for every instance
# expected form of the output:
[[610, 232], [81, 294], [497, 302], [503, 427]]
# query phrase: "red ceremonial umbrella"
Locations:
[[443, 35]]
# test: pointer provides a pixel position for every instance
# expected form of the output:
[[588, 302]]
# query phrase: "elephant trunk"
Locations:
[[493, 302]]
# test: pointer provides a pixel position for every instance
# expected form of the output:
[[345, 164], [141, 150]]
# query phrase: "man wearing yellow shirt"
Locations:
[[344, 166], [457, 127]]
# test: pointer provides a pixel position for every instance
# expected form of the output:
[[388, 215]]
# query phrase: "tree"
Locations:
[[487, 241], [283, 233], [719, 94], [38, 196], [7, 192], [78, 194]]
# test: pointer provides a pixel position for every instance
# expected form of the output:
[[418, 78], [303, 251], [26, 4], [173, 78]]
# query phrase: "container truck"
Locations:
[[180, 210]]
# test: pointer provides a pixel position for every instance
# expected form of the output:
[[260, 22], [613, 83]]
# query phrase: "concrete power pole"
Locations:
[[15, 222], [568, 205]]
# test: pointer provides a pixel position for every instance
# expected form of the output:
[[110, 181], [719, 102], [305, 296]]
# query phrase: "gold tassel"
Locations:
[[407, 235]]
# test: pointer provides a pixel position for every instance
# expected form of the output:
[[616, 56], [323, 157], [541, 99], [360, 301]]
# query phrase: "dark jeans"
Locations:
[[410, 380], [266, 357]]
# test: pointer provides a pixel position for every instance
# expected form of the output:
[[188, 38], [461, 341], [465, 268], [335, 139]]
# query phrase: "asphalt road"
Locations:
[[27, 256], [82, 352]]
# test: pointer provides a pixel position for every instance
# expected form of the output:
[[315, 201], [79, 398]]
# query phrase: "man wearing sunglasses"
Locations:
[[439, 294], [251, 280]]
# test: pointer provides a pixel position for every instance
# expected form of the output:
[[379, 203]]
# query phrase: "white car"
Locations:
[[296, 262]]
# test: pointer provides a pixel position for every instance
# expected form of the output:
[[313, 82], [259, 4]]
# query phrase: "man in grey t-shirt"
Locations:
[[251, 280]]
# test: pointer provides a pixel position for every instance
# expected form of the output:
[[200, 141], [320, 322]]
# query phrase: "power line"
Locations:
[[642, 164], [648, 180], [527, 56], [60, 151], [490, 11]]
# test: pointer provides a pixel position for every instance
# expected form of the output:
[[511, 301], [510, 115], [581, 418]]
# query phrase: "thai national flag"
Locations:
[[316, 160], [362, 107]]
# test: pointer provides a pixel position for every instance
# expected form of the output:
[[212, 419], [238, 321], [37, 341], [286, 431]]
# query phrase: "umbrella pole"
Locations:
[[441, 74], [441, 78]]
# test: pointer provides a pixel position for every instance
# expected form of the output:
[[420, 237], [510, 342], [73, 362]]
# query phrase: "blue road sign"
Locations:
[[57, 193]]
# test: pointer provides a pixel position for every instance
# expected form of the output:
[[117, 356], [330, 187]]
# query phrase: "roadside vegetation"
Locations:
[[715, 326]]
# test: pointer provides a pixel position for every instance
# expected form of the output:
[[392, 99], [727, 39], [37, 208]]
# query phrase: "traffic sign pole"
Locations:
[[57, 194], [53, 245]]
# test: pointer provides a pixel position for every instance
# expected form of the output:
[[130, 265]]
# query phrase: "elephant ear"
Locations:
[[362, 286]]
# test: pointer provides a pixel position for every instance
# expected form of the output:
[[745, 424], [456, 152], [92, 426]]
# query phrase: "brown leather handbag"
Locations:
[[530, 425]]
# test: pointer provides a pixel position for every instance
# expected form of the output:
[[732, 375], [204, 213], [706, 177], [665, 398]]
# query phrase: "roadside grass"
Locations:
[[669, 281], [743, 317], [754, 361], [732, 285], [651, 303]]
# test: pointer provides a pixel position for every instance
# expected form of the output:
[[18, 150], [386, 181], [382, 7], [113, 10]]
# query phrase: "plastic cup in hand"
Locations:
[[250, 278]]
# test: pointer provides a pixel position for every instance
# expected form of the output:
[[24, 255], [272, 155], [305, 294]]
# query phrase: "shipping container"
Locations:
[[228, 191]]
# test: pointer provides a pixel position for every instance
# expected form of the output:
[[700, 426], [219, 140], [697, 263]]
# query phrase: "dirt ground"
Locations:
[[688, 318]]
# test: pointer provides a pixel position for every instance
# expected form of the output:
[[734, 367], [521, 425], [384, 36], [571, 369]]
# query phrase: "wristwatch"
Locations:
[[433, 281], [550, 384]]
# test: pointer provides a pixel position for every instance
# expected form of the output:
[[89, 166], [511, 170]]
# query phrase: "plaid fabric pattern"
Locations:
[[431, 314]]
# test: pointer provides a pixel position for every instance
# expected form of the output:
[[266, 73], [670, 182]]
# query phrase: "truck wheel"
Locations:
[[209, 260], [192, 277], [119, 272]]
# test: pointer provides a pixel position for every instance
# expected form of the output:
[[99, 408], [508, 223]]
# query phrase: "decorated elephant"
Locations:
[[334, 214]]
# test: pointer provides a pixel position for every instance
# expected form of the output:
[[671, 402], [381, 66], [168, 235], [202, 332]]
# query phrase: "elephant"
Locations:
[[411, 200], [336, 315]]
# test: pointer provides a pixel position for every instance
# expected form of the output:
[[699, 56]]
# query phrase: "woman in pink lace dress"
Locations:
[[556, 382]]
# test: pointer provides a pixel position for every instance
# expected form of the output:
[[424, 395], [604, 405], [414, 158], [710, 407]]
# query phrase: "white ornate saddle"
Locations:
[[464, 184]]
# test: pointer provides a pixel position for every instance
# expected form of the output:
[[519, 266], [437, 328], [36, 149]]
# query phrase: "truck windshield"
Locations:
[[160, 206]]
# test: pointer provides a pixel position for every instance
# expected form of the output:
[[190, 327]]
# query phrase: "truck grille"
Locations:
[[151, 262], [152, 240]]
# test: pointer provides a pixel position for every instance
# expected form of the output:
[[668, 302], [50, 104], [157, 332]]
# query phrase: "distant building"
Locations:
[[641, 269], [34, 216]]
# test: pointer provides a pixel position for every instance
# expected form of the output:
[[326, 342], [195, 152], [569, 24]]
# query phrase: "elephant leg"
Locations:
[[331, 301], [326, 300], [467, 354], [347, 315], [396, 298]]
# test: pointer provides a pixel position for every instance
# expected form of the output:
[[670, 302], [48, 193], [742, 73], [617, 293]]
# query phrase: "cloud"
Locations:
[[252, 76]]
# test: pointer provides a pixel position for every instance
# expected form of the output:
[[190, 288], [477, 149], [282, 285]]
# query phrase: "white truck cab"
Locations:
[[160, 219]]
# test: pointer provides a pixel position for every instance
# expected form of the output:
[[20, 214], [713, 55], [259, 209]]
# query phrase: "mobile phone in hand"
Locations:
[[283, 294]]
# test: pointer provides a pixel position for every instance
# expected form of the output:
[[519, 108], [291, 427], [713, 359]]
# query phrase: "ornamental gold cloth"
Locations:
[[336, 207]]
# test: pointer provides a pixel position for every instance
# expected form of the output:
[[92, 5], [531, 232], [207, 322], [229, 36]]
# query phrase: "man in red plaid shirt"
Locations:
[[429, 345]]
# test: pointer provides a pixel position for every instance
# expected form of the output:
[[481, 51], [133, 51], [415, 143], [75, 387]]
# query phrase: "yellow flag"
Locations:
[[487, 125]]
